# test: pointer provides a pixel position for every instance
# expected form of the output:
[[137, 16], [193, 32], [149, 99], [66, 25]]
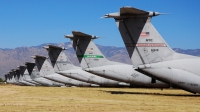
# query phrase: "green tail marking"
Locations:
[[90, 56]]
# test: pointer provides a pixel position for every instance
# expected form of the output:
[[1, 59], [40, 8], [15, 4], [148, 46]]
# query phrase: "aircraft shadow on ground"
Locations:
[[156, 94]]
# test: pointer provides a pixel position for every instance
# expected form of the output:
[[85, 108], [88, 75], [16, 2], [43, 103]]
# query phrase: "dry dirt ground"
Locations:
[[71, 99]]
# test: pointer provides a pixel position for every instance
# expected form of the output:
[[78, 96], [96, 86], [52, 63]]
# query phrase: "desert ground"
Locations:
[[75, 99]]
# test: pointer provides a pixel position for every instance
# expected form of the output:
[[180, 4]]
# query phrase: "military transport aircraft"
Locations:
[[7, 78], [11, 77], [37, 77], [5, 75], [47, 71], [21, 78], [92, 60], [25, 75], [63, 66], [151, 55]]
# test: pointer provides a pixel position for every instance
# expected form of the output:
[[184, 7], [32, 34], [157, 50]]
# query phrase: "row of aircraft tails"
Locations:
[[154, 63]]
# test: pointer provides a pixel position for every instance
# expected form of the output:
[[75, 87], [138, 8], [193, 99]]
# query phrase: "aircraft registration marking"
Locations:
[[134, 75], [153, 50], [149, 40], [192, 84], [151, 45]]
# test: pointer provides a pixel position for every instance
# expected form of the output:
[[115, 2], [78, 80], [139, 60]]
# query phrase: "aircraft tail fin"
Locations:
[[11, 75], [59, 60], [87, 52], [30, 67], [22, 69], [18, 73], [143, 42], [43, 65], [14, 74], [6, 77]]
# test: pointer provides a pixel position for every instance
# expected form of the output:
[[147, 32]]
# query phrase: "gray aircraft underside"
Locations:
[[63, 66], [12, 78], [92, 60], [21, 78], [36, 77], [26, 77], [9, 78], [151, 54], [47, 71], [16, 77]]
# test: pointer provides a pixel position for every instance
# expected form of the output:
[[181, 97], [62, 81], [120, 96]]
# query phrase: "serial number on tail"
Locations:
[[151, 45]]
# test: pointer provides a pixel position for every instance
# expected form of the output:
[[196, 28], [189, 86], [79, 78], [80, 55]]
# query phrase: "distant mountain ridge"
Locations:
[[11, 58]]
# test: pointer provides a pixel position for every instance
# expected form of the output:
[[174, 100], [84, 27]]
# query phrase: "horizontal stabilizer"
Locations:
[[131, 12], [56, 47], [38, 56], [80, 35], [15, 70]]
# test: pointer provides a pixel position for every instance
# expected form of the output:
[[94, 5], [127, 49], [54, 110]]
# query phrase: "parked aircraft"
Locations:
[[26, 77], [37, 77], [6, 78], [151, 54], [21, 79], [92, 60], [16, 77], [11, 77], [47, 71], [63, 66]]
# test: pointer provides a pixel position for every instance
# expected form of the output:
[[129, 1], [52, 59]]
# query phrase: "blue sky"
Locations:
[[34, 22]]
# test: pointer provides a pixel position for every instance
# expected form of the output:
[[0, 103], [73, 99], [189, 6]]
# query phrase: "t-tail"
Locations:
[[59, 60], [6, 77], [87, 52], [11, 75], [43, 65], [143, 42]]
